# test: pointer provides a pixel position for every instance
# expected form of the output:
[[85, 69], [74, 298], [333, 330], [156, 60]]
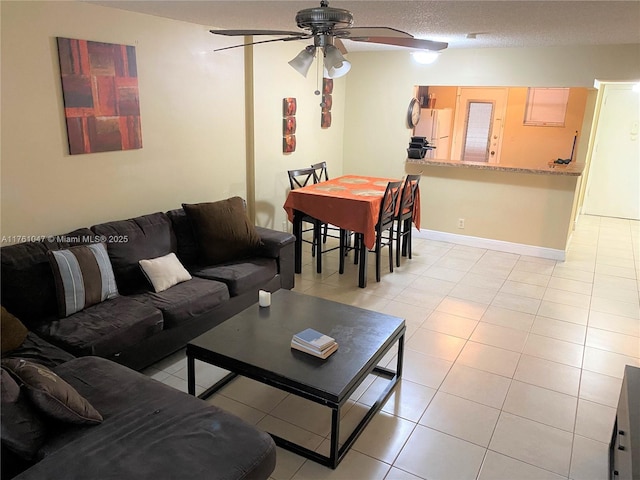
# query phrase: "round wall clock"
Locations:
[[413, 113]]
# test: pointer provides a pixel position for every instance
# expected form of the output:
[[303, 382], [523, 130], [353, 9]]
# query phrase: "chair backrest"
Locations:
[[408, 196], [389, 205], [322, 175], [301, 177]]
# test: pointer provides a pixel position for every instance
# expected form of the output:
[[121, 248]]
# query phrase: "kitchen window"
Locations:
[[546, 107]]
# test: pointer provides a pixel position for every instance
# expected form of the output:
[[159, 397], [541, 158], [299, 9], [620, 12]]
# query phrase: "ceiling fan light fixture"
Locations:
[[302, 62], [338, 72], [334, 63]]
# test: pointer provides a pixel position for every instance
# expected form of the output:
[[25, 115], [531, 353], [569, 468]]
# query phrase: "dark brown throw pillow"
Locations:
[[22, 430], [52, 395], [223, 230], [12, 332]]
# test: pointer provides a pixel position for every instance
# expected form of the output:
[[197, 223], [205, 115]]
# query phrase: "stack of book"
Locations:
[[314, 343]]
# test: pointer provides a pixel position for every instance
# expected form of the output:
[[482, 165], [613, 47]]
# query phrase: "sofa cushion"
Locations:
[[186, 300], [28, 289], [158, 432], [188, 250], [40, 351], [83, 277], [103, 329], [223, 230], [22, 430], [51, 394], [12, 331], [241, 276], [164, 272], [129, 241]]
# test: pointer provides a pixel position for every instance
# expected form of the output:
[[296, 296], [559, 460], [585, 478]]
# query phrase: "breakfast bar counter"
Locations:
[[572, 169], [526, 209]]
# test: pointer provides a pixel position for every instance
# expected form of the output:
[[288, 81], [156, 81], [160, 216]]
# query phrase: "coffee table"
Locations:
[[256, 343]]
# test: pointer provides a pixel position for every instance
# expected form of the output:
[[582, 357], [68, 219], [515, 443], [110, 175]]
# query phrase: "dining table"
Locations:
[[350, 202]]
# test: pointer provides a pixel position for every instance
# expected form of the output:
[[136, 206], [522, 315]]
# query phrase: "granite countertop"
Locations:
[[572, 169]]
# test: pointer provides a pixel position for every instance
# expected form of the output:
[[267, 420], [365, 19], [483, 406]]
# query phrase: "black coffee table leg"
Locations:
[[191, 375], [191, 380], [337, 452]]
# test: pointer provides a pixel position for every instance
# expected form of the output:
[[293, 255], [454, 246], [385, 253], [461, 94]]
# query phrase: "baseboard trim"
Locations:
[[490, 244]]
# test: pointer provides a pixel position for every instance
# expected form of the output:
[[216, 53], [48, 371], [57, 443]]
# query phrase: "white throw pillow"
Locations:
[[164, 272]]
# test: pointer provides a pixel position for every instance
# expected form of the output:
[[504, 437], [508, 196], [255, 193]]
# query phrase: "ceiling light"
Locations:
[[425, 57], [302, 62], [335, 63]]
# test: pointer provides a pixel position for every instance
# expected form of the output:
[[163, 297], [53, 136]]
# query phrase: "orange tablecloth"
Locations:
[[351, 202]]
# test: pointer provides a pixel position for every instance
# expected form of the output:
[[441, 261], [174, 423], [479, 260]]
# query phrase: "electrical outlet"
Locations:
[[461, 223]]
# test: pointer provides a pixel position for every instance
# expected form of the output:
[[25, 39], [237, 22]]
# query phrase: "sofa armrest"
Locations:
[[279, 245], [273, 241]]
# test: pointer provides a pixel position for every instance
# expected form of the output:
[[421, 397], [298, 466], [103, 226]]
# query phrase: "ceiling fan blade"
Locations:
[[404, 42], [240, 33], [359, 32], [340, 46], [285, 39]]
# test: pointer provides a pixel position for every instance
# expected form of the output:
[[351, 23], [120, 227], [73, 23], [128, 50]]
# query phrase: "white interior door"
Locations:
[[478, 124], [613, 186]]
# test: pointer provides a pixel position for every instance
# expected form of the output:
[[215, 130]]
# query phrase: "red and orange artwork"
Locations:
[[100, 91], [289, 143], [327, 85], [289, 106], [327, 101], [325, 119], [289, 125]]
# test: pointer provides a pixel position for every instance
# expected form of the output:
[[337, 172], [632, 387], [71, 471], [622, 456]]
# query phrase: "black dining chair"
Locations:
[[384, 226], [404, 216], [301, 178], [322, 175]]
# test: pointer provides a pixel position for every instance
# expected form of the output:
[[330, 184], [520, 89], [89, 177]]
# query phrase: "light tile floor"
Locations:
[[513, 364]]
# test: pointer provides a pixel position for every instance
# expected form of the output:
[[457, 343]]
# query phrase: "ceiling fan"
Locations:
[[327, 27]]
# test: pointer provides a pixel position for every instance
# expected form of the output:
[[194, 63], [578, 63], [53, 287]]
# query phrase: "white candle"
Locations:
[[264, 298]]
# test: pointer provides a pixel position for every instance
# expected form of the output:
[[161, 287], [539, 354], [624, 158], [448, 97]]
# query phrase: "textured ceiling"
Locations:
[[495, 23]]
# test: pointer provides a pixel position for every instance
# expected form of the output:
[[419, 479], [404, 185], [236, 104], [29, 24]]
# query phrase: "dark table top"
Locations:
[[257, 343]]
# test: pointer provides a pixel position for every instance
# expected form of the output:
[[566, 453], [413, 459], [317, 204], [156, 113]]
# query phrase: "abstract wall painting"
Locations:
[[100, 91], [289, 109], [289, 144], [327, 102], [289, 106]]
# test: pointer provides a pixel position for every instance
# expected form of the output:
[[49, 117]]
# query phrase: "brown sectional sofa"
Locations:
[[139, 326], [149, 430]]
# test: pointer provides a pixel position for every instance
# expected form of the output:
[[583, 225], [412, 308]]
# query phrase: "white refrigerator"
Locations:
[[435, 125]]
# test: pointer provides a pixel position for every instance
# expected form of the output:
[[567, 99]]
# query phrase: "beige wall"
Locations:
[[192, 104], [192, 121], [380, 86]]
